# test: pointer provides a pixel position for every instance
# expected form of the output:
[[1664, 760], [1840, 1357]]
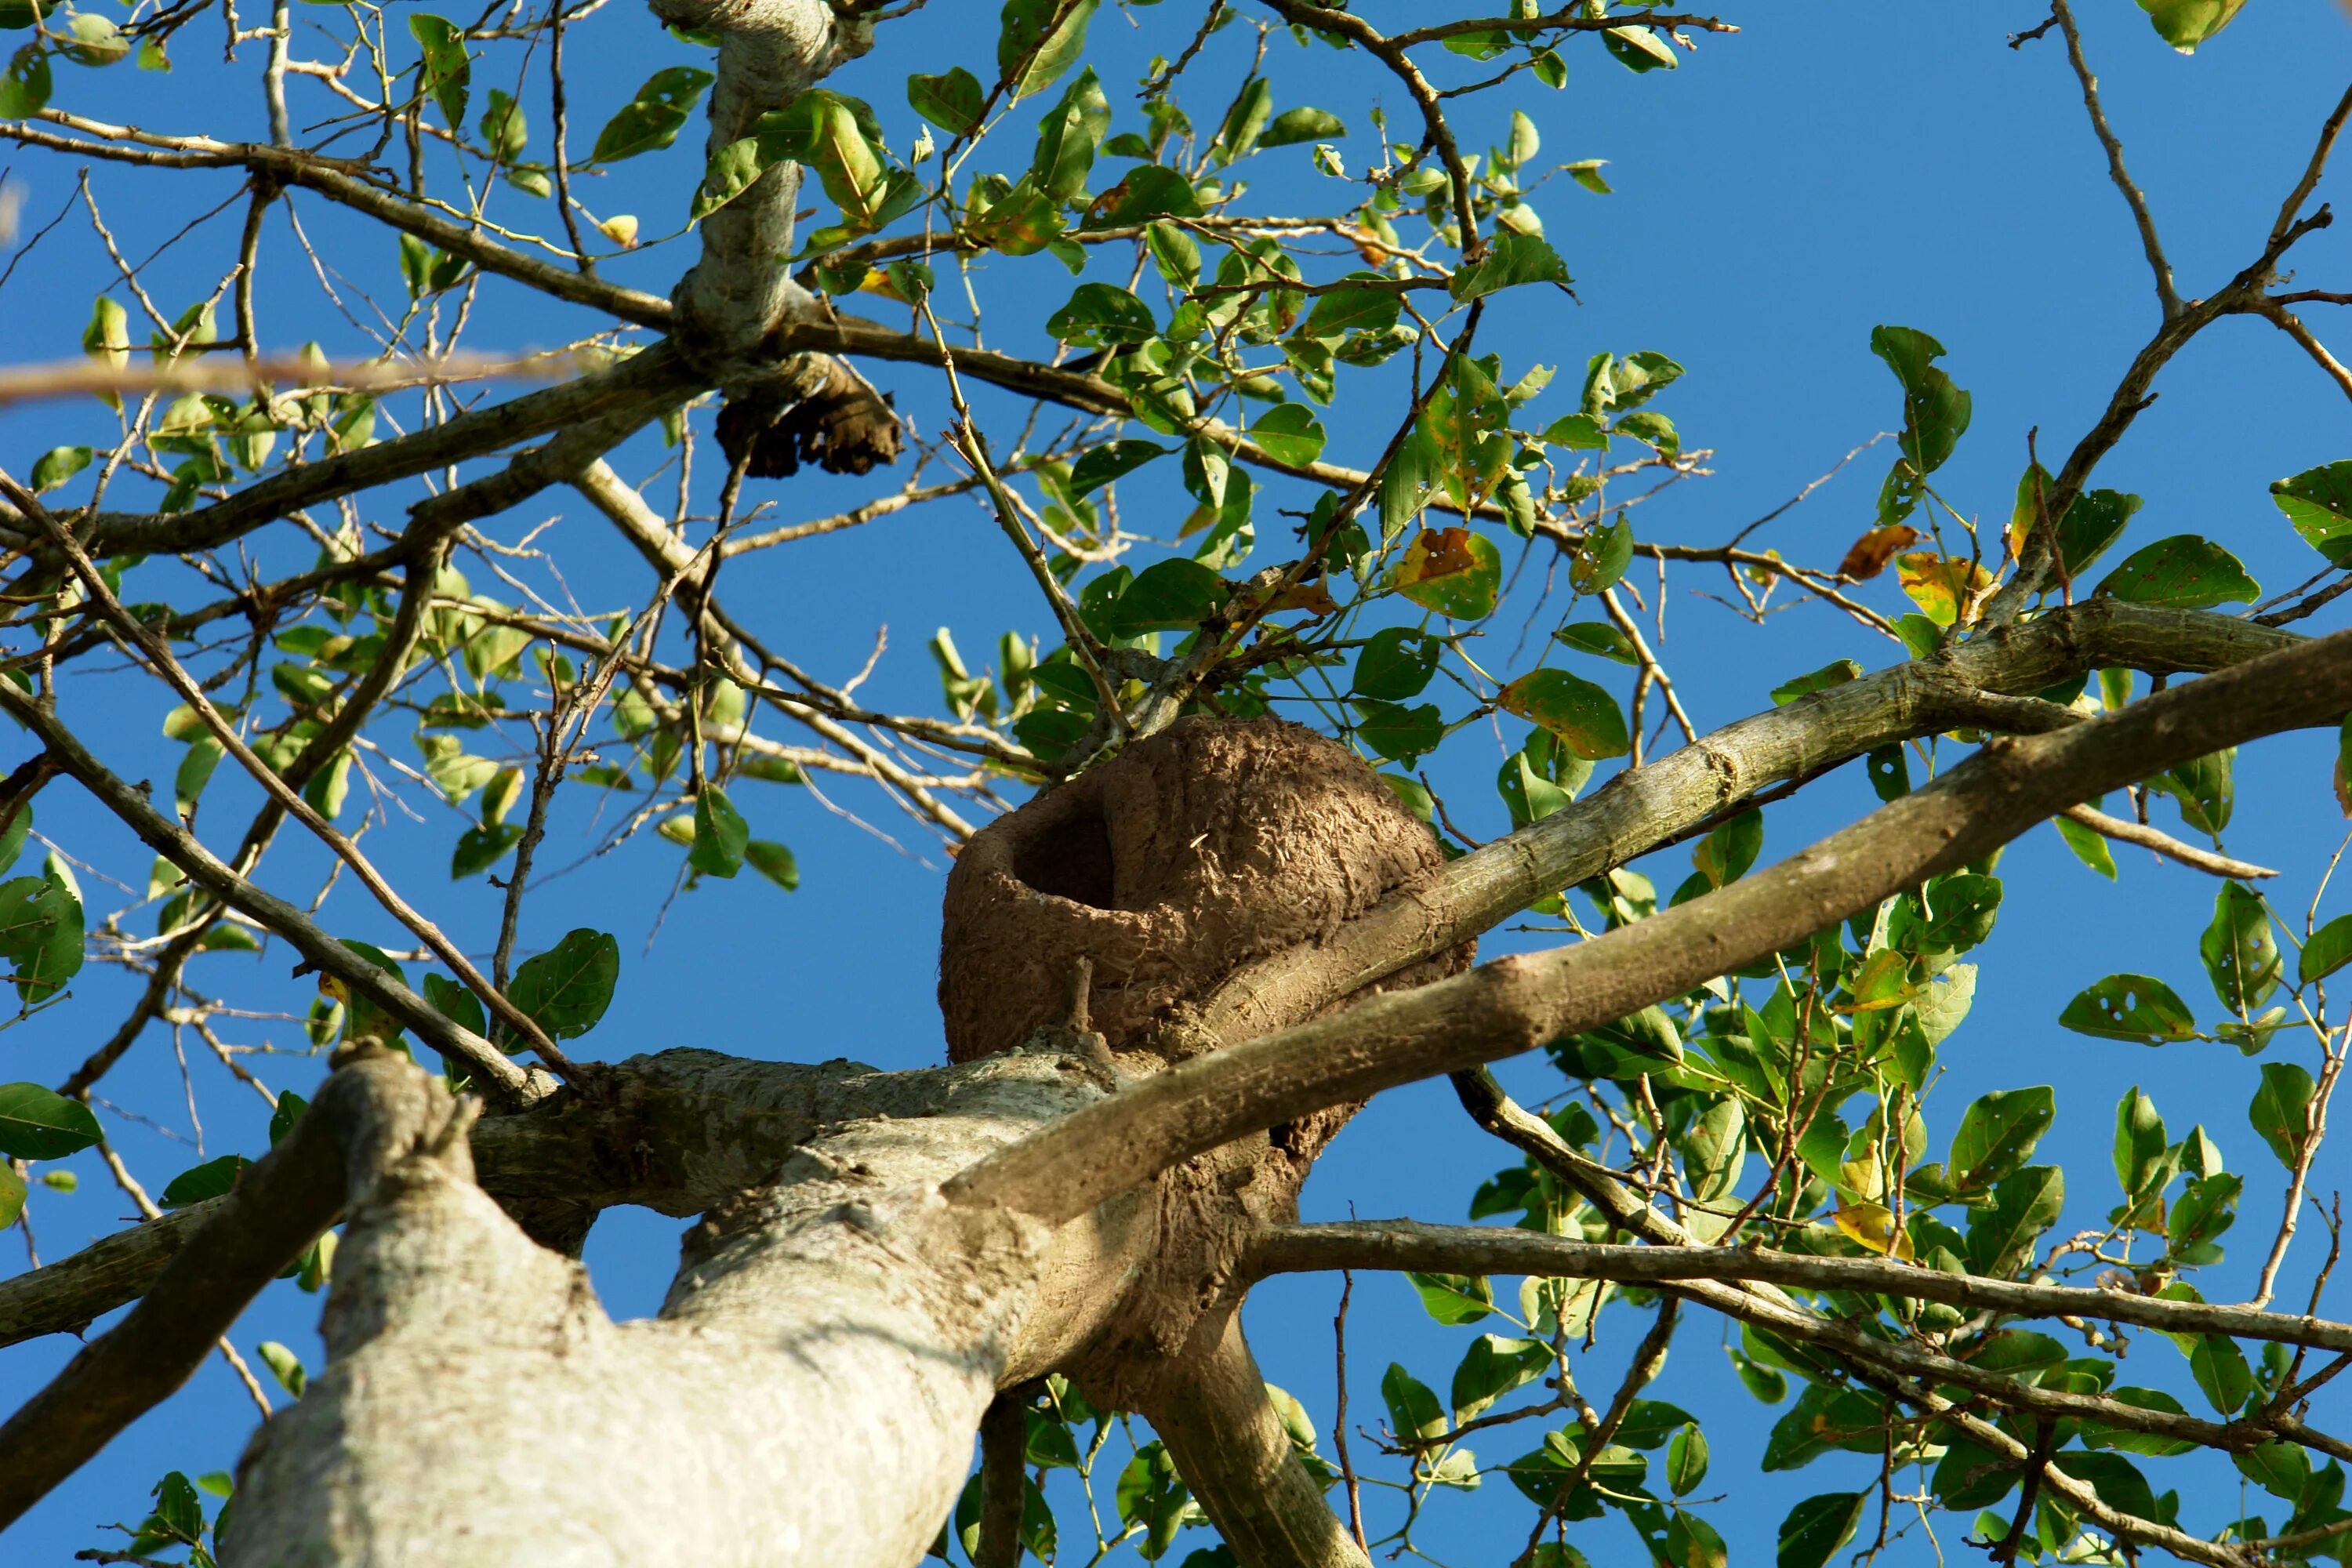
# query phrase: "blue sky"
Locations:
[[1787, 189]]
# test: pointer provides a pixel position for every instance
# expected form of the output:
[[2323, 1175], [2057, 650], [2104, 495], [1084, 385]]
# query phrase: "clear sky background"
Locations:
[[1824, 171]]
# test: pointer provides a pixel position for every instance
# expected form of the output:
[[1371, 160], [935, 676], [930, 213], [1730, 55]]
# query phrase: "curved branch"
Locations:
[[1409, 1245]]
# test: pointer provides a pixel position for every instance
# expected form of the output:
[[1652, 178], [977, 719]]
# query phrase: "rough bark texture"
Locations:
[[1206, 845]]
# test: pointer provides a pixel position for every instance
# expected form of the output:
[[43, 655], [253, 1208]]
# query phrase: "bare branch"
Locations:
[[2123, 832]]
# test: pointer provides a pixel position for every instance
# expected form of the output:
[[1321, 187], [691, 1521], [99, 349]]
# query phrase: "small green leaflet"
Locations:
[[951, 101], [720, 833], [1041, 40], [2279, 1108], [2185, 24], [1817, 1527], [1828, 675], [2329, 949]]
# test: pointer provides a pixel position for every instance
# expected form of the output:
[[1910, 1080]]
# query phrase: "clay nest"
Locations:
[[1180, 858]]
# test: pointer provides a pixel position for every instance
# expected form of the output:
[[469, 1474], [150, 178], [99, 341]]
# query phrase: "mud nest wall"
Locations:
[[1183, 857]]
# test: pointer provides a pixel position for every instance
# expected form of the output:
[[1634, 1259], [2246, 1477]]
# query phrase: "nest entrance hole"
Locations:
[[1070, 861]]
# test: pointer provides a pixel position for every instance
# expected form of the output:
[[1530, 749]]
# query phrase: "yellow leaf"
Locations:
[[622, 230], [1947, 588], [1873, 1226]]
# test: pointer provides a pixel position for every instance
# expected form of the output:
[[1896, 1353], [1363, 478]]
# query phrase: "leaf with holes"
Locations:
[[2135, 1008], [2241, 956], [1583, 715], [1601, 559], [1396, 664], [1451, 571]]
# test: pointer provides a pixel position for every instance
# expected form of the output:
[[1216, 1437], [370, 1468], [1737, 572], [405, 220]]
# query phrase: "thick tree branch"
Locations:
[[1210, 1408], [1644, 807], [1516, 1003], [284, 1200]]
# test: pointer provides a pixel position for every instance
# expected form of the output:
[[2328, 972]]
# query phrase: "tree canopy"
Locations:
[[432, 440]]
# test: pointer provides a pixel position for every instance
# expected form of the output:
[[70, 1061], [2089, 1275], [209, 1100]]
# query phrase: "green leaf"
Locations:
[[2221, 1372], [1934, 415], [951, 101], [457, 1003], [1583, 715], [1828, 675], [2139, 1142], [12, 836], [1147, 190], [1040, 39], [1398, 732], [2318, 502], [24, 87], [479, 848], [38, 1124], [720, 833], [505, 129], [13, 1191], [40, 935], [1067, 136], [1289, 434], [1294, 125], [732, 170], [1601, 560], [1512, 258], [1244, 121], [2241, 956], [1110, 462], [775, 862], [2185, 24], [2279, 1108], [1492, 1367], [1455, 1300], [2184, 572], [2281, 1470], [1599, 637], [1102, 315], [1730, 848], [1397, 663], [2089, 848], [57, 466], [1167, 595], [2001, 1239], [1686, 1461], [284, 1366], [2097, 1434], [211, 1179], [1648, 1423], [446, 71], [2136, 1007], [2329, 949], [652, 118], [566, 989], [1413, 1408], [1997, 1133], [1817, 1527]]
